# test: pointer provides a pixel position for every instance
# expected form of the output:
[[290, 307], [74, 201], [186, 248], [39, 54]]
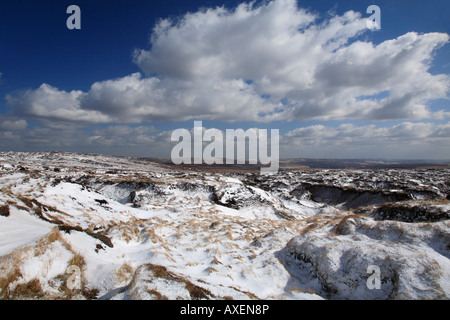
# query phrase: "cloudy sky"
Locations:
[[137, 70]]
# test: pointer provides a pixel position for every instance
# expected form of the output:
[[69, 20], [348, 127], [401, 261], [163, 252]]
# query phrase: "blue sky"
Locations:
[[62, 89]]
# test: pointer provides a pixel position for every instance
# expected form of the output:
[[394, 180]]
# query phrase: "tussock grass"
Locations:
[[249, 294], [196, 292], [158, 295], [55, 235], [125, 273], [13, 285], [77, 260], [154, 237], [44, 242], [6, 281], [30, 290], [128, 231]]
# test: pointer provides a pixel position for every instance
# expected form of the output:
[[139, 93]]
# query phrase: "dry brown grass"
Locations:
[[7, 280], [158, 271], [158, 295], [195, 291], [53, 236], [129, 232], [30, 290], [77, 260], [306, 290], [125, 273], [12, 284], [247, 293], [154, 237]]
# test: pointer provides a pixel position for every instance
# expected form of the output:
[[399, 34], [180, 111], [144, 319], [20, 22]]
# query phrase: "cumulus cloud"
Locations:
[[48, 102], [136, 99], [405, 131], [122, 135], [304, 69], [12, 124], [420, 140], [265, 62], [140, 141], [17, 135]]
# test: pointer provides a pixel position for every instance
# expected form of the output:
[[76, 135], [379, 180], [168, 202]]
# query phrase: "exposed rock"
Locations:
[[347, 198], [4, 211], [346, 226], [412, 213]]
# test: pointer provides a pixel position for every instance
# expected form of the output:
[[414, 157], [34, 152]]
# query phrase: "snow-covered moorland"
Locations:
[[75, 226]]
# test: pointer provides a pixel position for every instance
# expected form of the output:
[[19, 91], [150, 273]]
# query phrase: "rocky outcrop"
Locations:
[[406, 212], [350, 198]]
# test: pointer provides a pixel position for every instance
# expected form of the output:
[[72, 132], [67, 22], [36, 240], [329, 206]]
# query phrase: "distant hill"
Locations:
[[307, 163]]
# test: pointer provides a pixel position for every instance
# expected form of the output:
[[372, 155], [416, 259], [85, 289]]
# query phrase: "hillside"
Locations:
[[81, 226]]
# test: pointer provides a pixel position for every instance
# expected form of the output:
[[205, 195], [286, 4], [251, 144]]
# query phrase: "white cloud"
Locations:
[[281, 52], [48, 102], [405, 131], [405, 140], [258, 63], [123, 136], [12, 124], [421, 140], [136, 99]]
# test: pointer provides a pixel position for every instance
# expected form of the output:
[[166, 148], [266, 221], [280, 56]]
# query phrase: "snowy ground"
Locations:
[[134, 229]]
